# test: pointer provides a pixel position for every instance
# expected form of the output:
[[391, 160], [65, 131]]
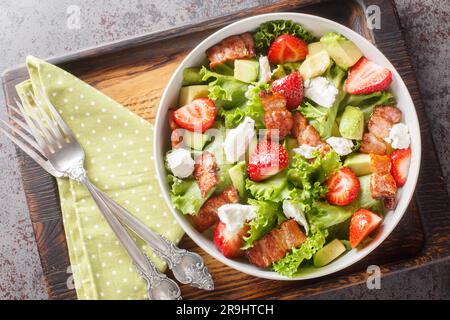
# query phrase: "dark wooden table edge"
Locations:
[[425, 257]]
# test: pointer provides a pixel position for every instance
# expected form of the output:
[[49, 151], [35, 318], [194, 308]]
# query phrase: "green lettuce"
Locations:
[[252, 108], [226, 91], [324, 215], [367, 102], [269, 215], [186, 195], [290, 264], [284, 69], [269, 31], [321, 118], [274, 189]]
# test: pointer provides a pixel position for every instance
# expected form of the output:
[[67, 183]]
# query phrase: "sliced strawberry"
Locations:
[[291, 87], [287, 48], [196, 116], [362, 224], [367, 77], [343, 187], [268, 159], [229, 244], [400, 161]]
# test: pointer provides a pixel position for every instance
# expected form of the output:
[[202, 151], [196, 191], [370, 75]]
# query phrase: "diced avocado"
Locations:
[[359, 163], [278, 72], [189, 93], [192, 76], [289, 144], [365, 196], [224, 69], [315, 47], [315, 65], [195, 140], [335, 130], [237, 175], [246, 70], [352, 123], [223, 177], [328, 253], [344, 52]]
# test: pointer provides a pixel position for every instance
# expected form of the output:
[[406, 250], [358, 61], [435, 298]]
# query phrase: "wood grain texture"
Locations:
[[134, 72]]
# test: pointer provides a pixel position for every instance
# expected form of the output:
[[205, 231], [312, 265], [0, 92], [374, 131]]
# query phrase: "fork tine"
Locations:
[[56, 133], [34, 131], [43, 132], [23, 125], [56, 116], [22, 135]]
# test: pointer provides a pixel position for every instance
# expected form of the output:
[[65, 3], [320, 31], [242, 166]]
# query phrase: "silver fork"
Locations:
[[55, 149]]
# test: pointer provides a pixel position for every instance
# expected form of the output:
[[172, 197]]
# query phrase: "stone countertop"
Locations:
[[43, 29]]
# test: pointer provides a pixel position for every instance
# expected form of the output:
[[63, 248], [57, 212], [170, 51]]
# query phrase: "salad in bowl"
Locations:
[[288, 148]]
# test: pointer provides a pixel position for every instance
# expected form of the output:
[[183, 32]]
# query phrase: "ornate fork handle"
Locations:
[[187, 267], [159, 286]]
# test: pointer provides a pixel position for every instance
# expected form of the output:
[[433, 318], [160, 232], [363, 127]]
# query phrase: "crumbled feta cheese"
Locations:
[[234, 215], [306, 151], [399, 136], [249, 94], [265, 75], [238, 139], [342, 146], [321, 91], [180, 163], [293, 211]]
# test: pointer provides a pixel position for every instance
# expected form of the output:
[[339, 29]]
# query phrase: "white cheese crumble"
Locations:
[[265, 75], [235, 215], [306, 151], [399, 136], [180, 163], [321, 91], [238, 139], [342, 146], [293, 211]]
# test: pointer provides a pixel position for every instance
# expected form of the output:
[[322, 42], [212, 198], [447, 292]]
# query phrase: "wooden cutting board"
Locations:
[[134, 72]]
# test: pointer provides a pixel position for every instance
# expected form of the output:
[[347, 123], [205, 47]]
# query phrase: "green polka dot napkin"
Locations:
[[118, 147]]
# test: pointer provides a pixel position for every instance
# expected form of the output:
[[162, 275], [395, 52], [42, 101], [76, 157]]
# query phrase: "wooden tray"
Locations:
[[126, 71]]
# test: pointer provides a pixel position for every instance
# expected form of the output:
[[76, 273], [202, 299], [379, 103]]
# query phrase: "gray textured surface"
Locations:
[[39, 27]]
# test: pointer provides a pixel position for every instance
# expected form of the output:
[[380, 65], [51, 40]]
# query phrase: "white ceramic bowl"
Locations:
[[317, 26]]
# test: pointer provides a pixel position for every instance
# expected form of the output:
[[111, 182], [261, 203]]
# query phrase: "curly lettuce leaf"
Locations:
[[321, 118], [269, 31], [325, 215], [290, 264], [367, 102], [186, 195], [269, 215], [252, 108], [274, 189], [226, 91]]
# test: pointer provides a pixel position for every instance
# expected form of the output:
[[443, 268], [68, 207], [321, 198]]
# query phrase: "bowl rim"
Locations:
[[267, 273]]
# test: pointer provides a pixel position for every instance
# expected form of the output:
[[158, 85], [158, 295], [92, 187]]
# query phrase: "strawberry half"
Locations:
[[367, 77], [343, 187], [400, 161], [362, 224], [287, 48], [268, 159], [291, 87], [196, 116], [229, 244]]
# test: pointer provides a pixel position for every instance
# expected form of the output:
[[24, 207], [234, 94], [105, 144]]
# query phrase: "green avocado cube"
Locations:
[[352, 123], [246, 70]]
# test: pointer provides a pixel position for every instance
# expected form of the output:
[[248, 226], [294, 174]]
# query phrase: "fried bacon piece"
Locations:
[[205, 172], [380, 124], [274, 245], [307, 134], [276, 116], [382, 183], [176, 137], [207, 216], [371, 144], [240, 46]]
